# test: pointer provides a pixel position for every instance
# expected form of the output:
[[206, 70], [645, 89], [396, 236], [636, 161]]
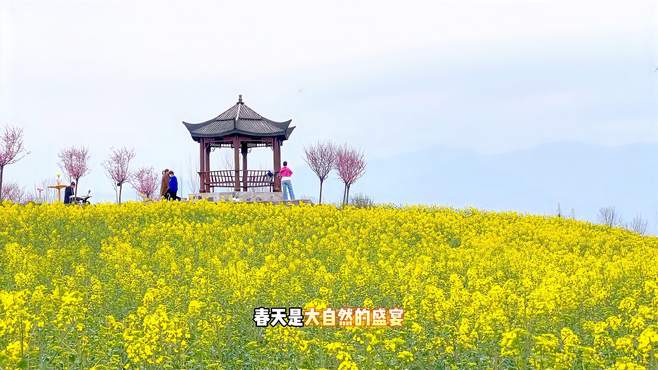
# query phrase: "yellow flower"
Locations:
[[170, 285], [648, 339], [194, 307], [406, 356]]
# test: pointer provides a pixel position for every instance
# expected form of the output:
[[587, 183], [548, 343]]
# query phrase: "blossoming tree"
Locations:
[[350, 165], [321, 157], [145, 181], [13, 192], [11, 150], [75, 162], [117, 168]]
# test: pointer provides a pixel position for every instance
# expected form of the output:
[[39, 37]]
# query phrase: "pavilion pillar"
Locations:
[[244, 166], [236, 162], [206, 164], [202, 166], [276, 148]]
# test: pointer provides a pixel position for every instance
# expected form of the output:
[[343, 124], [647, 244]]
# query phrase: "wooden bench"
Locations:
[[226, 179]]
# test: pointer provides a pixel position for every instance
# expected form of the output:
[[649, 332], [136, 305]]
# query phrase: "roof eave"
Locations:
[[284, 135], [289, 131]]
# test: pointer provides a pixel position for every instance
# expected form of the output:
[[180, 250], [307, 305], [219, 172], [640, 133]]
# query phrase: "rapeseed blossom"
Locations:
[[174, 285]]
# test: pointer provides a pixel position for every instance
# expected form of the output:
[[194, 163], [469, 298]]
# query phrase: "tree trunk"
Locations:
[[320, 202], [120, 188], [2, 170], [77, 185], [347, 195], [344, 191]]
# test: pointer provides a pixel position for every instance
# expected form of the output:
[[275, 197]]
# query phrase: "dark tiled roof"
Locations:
[[242, 120]]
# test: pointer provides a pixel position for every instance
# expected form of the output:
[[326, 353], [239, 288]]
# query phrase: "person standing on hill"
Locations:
[[173, 186], [286, 183], [164, 184]]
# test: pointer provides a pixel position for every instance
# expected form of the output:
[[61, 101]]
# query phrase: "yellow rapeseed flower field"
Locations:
[[175, 285]]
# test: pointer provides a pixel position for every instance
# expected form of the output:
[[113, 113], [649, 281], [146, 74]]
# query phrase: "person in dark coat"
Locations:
[[69, 191], [173, 186]]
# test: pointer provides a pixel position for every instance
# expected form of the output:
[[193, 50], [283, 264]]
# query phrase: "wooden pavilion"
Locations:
[[241, 129]]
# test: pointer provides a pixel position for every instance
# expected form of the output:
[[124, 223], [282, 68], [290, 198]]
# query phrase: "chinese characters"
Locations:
[[328, 317]]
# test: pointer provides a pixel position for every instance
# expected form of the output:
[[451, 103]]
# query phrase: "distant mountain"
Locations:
[[576, 176]]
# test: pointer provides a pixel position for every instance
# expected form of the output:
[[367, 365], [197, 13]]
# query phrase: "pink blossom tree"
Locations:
[[75, 162], [145, 181], [117, 168], [321, 157], [13, 192], [350, 165], [12, 149]]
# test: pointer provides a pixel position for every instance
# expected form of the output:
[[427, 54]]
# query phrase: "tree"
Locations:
[[193, 174], [12, 149], [145, 181], [351, 165], [609, 216], [362, 201], [75, 162], [118, 168], [639, 225], [13, 192], [321, 157], [46, 195]]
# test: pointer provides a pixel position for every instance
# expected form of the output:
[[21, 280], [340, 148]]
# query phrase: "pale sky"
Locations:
[[389, 77]]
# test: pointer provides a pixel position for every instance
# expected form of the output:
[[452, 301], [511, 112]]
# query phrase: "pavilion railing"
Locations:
[[255, 179]]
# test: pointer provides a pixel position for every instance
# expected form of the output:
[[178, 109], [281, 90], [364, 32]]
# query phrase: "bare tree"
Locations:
[[362, 201], [117, 167], [193, 174], [145, 181], [30, 198], [46, 195], [609, 216], [350, 165], [227, 161], [639, 225], [321, 157], [75, 162], [12, 149]]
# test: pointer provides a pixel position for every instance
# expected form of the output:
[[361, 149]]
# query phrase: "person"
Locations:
[[173, 187], [69, 191], [164, 184], [286, 183]]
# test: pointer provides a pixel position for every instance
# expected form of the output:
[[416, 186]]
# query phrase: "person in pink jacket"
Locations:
[[286, 184]]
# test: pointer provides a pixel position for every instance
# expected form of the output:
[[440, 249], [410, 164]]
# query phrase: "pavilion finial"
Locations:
[[239, 98]]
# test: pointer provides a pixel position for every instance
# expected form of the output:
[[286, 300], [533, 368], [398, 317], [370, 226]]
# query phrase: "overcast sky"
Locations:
[[389, 77]]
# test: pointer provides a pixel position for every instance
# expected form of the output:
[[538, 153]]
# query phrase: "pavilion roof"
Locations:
[[239, 119]]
